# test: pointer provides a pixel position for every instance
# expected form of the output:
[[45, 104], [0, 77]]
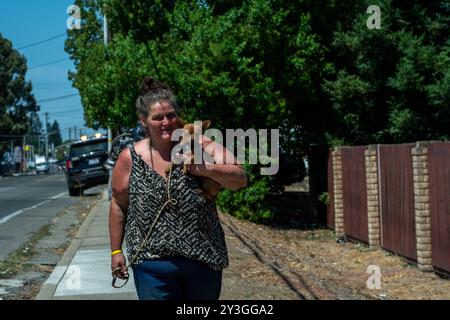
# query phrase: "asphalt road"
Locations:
[[28, 203]]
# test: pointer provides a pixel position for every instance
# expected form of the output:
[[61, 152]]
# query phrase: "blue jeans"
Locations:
[[176, 278]]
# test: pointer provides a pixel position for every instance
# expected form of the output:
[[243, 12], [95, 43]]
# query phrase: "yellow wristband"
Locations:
[[116, 252]]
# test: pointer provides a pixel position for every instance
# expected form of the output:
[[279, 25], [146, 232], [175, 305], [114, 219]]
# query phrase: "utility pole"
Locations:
[[32, 159], [11, 150], [46, 135], [106, 39], [22, 164]]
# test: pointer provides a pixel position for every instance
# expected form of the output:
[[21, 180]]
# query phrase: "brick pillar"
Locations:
[[422, 206], [373, 203], [338, 193]]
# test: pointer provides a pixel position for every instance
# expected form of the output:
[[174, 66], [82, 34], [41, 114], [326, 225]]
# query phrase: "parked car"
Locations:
[[42, 164], [85, 165]]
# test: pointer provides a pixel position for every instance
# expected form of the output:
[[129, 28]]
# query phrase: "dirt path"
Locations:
[[274, 263]]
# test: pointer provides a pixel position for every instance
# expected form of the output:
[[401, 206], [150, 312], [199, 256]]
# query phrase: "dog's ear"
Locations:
[[189, 127], [180, 122], [205, 125]]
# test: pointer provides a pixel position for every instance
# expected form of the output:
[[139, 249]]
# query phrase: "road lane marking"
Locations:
[[58, 195], [16, 213]]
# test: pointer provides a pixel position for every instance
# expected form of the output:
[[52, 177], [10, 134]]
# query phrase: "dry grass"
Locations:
[[298, 264]]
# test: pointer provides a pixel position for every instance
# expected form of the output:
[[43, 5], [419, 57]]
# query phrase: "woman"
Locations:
[[174, 239]]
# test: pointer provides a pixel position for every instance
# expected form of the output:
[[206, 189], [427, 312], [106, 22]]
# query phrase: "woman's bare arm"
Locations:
[[226, 171], [118, 207], [119, 202]]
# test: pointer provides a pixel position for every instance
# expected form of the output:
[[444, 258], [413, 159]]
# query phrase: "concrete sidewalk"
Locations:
[[84, 271]]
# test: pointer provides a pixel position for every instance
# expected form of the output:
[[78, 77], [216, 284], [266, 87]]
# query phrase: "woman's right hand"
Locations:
[[119, 261]]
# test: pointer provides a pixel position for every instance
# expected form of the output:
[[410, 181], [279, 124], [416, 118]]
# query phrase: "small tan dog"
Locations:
[[208, 187]]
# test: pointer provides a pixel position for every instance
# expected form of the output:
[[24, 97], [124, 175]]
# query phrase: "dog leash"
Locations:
[[169, 200]]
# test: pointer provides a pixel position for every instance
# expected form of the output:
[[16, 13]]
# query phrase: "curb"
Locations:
[[49, 287]]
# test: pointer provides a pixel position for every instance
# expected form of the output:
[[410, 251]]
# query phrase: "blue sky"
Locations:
[[25, 22]]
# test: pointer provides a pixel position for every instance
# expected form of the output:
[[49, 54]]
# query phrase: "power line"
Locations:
[[49, 63], [27, 134], [47, 83], [58, 98], [53, 89], [57, 108], [60, 85], [66, 111], [42, 41], [71, 106], [76, 116]]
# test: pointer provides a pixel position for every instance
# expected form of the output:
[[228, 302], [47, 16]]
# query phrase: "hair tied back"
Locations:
[[150, 84]]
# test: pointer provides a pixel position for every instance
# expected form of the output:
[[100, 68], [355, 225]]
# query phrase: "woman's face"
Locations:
[[161, 121]]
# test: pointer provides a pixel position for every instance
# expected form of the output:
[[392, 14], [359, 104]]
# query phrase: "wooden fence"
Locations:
[[396, 197], [397, 200], [354, 192], [439, 182]]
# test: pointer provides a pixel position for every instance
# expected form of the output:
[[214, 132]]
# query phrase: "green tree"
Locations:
[[250, 64], [142, 20], [35, 131], [392, 85], [54, 134], [108, 78], [17, 103], [257, 65]]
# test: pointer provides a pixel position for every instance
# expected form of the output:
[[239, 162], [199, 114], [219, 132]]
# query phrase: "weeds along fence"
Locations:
[[396, 197]]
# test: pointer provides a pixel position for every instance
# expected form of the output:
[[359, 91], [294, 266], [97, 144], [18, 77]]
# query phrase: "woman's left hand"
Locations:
[[202, 170], [227, 176], [225, 171]]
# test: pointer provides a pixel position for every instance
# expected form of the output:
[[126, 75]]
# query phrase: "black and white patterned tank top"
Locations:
[[190, 228]]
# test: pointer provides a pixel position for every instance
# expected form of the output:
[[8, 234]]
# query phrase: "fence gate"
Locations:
[[397, 200], [439, 183], [355, 193]]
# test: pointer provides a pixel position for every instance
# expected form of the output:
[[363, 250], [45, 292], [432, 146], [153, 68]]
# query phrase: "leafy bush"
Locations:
[[324, 197], [249, 203]]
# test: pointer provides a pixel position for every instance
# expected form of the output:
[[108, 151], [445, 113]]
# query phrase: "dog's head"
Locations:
[[190, 128], [187, 138]]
